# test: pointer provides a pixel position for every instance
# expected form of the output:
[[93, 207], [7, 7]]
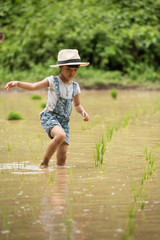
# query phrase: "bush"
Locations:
[[14, 116], [36, 97], [114, 93], [112, 35]]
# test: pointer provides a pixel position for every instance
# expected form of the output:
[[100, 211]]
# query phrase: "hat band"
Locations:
[[70, 61]]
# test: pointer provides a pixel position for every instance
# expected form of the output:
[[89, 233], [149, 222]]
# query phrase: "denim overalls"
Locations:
[[60, 114]]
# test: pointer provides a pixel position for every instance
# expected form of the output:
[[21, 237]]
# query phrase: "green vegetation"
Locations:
[[114, 93], [139, 193], [119, 38], [43, 105], [36, 97], [100, 150], [125, 120], [33, 153], [109, 133], [51, 178], [14, 116]]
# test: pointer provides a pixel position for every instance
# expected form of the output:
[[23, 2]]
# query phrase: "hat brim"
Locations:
[[81, 64]]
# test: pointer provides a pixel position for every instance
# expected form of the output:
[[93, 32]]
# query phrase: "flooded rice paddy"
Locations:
[[110, 187]]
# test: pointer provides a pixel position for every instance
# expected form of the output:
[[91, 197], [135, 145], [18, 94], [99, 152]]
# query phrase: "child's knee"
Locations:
[[60, 137]]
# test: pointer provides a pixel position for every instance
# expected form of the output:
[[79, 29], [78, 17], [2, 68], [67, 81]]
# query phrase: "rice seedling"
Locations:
[[33, 153], [117, 126], [134, 192], [43, 105], [85, 126], [131, 217], [136, 114], [109, 133], [100, 150], [68, 224], [131, 213], [125, 120], [142, 181], [114, 93], [125, 236], [131, 226], [9, 147], [97, 154], [133, 186], [90, 188], [19, 236], [92, 123], [142, 204], [41, 140], [139, 193], [103, 149], [27, 141], [14, 116], [36, 97], [51, 178]]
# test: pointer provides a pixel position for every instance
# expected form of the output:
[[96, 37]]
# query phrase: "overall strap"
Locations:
[[56, 85], [74, 89]]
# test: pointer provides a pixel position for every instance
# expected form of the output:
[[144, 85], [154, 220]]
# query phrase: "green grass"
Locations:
[[36, 97], [114, 93], [14, 116], [43, 105]]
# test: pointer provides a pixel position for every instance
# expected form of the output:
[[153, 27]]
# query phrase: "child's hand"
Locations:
[[10, 85], [85, 116]]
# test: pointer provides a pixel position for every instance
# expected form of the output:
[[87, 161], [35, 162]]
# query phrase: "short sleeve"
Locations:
[[78, 89], [51, 82]]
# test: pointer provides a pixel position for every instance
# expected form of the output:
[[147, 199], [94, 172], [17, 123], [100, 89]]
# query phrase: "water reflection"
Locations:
[[57, 208], [54, 204]]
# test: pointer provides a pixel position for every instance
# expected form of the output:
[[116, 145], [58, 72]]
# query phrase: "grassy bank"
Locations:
[[88, 77]]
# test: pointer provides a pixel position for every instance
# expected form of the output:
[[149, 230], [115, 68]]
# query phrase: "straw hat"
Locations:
[[69, 57]]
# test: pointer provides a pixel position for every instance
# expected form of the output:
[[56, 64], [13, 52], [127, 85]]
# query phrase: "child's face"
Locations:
[[68, 72]]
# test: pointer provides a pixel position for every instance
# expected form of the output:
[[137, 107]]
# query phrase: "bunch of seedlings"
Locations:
[[100, 150], [14, 116], [114, 93], [138, 193]]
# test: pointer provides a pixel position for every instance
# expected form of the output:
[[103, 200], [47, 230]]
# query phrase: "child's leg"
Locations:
[[61, 154], [59, 136]]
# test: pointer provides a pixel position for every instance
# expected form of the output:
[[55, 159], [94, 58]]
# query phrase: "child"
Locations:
[[61, 92]]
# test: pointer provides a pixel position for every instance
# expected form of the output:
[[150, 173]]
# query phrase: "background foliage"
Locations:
[[114, 35]]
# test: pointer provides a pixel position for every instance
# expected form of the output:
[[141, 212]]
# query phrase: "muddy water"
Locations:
[[82, 201]]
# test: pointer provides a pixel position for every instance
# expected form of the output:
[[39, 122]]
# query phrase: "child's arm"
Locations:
[[79, 108], [28, 86]]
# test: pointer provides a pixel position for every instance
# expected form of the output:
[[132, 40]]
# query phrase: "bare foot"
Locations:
[[44, 164]]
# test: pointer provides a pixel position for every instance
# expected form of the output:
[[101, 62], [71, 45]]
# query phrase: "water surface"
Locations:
[[81, 201]]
